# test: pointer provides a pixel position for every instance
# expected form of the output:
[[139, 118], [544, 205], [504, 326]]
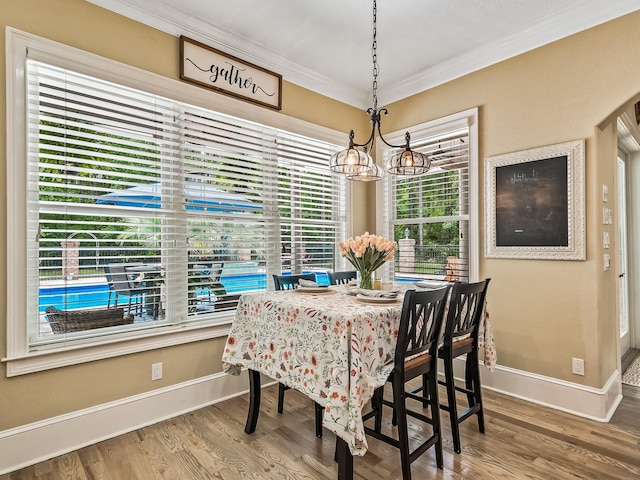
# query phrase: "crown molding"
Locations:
[[176, 22], [593, 13]]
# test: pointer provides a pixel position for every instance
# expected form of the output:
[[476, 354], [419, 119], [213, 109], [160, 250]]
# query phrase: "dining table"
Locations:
[[332, 344]]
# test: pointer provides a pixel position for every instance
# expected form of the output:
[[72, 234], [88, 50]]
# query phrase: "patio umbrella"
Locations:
[[199, 197]]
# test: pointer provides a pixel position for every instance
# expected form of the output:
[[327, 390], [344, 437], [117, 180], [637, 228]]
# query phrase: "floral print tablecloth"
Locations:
[[330, 346]]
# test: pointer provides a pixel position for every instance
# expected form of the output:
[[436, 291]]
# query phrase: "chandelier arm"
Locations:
[[368, 142], [387, 143], [375, 119]]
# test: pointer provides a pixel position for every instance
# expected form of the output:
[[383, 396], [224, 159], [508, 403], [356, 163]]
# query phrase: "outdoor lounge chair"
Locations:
[[64, 321]]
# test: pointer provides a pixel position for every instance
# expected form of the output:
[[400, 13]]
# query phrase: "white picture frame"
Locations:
[[535, 206]]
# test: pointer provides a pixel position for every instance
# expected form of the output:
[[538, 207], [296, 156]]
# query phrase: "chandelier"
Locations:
[[356, 161]]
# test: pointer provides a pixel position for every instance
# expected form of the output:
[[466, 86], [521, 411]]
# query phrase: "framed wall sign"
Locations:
[[535, 203], [210, 68]]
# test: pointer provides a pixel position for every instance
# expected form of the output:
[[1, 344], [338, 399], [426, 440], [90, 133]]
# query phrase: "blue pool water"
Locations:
[[97, 295], [64, 298]]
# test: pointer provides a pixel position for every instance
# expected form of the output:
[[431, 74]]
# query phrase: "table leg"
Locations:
[[345, 460], [254, 401]]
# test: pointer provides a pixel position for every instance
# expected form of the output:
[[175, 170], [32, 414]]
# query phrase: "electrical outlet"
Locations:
[[156, 371], [577, 366]]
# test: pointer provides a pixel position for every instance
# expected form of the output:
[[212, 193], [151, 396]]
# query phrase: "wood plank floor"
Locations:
[[522, 441]]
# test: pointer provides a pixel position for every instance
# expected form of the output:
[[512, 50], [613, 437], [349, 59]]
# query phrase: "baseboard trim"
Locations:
[[594, 403], [39, 441], [59, 435]]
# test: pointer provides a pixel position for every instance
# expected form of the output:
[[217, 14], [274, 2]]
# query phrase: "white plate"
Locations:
[[314, 289], [364, 298]]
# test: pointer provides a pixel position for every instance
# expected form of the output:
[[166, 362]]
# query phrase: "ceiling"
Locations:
[[325, 45]]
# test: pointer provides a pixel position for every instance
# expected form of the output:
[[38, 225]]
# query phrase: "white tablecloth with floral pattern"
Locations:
[[330, 346]]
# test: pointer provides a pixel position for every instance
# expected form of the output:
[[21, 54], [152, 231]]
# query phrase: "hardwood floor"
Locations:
[[522, 440]]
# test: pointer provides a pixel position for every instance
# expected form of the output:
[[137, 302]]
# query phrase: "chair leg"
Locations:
[[376, 405], [399, 409], [431, 386], [472, 379], [319, 409], [425, 390], [451, 400], [281, 389]]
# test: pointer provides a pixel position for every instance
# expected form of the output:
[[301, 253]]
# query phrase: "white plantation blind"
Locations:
[[311, 204], [196, 206], [428, 215]]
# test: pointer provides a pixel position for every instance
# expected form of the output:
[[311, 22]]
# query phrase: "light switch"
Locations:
[[605, 240], [607, 262]]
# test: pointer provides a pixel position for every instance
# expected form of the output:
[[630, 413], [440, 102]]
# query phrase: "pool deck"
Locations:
[[61, 282]]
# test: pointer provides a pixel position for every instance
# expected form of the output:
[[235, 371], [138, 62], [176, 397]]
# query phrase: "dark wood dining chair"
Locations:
[[289, 282], [416, 356], [460, 337], [341, 278]]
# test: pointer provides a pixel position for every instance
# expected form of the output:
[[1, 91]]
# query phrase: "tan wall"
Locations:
[[80, 24], [546, 312]]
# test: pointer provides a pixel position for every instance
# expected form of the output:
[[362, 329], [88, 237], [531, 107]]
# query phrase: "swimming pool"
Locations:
[[97, 295], [70, 297]]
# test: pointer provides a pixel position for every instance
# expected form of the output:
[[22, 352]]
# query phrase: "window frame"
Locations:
[[20, 360], [465, 119]]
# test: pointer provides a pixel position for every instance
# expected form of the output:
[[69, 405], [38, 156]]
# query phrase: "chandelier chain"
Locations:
[[356, 161], [374, 51]]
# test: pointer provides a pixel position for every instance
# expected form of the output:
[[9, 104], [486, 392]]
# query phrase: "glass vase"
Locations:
[[366, 279]]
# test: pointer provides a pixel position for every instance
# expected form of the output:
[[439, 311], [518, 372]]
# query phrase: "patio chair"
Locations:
[[107, 275], [64, 321], [204, 282], [123, 286], [206, 276]]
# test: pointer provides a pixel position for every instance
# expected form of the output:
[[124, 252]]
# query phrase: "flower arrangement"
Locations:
[[366, 253]]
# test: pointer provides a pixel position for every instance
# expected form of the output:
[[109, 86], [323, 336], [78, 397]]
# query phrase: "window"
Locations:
[[148, 216], [433, 217]]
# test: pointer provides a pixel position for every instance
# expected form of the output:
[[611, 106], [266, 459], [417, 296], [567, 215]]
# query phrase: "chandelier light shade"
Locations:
[[356, 161], [374, 173], [351, 161], [408, 162]]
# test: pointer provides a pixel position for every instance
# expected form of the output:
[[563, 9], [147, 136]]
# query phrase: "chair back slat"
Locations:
[[289, 282], [420, 323], [465, 310], [120, 279], [342, 278]]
